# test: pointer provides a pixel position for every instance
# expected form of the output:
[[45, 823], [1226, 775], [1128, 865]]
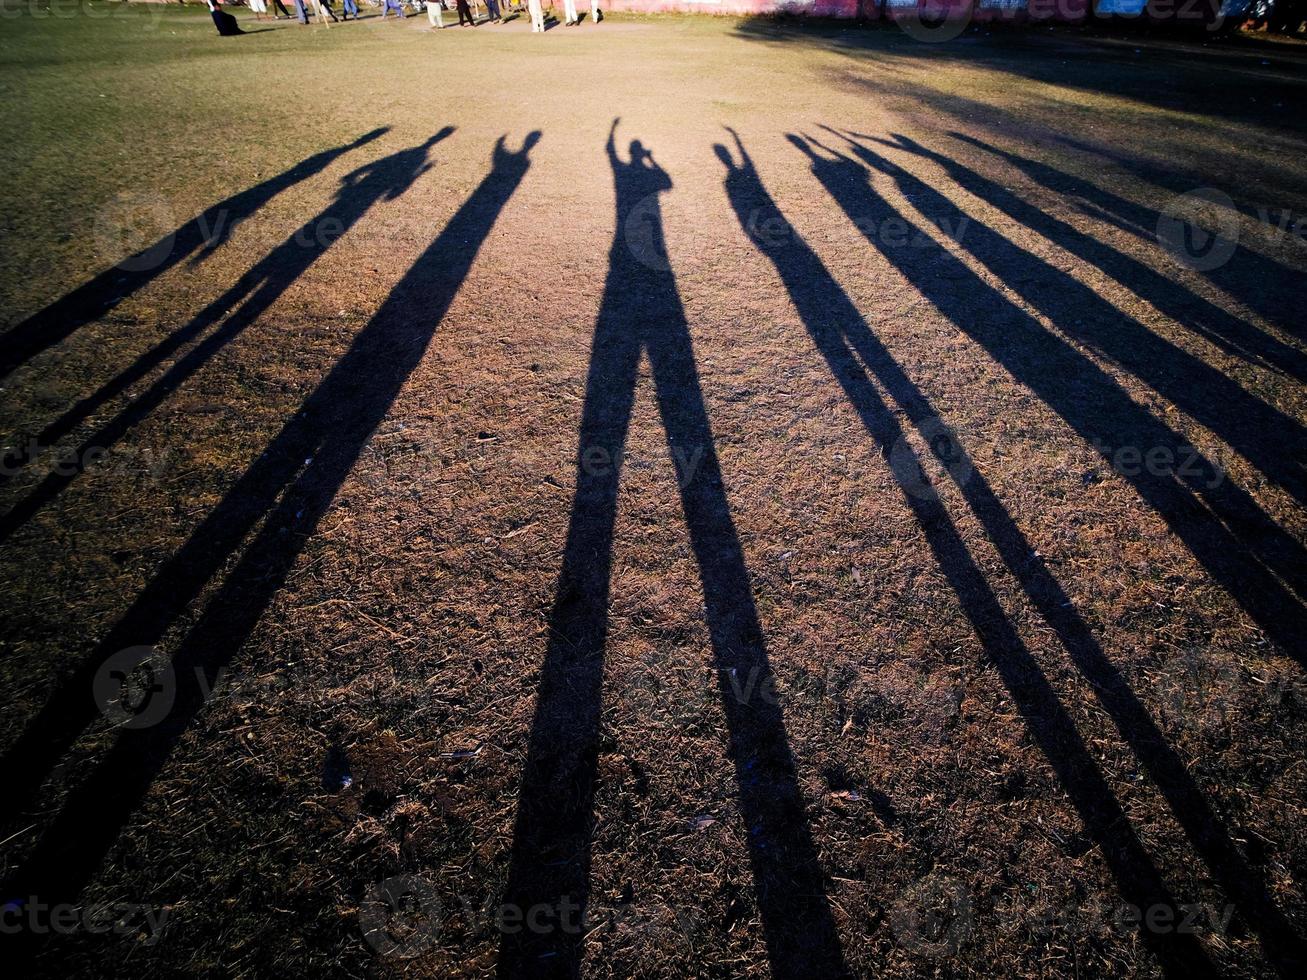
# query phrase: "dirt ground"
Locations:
[[765, 497]]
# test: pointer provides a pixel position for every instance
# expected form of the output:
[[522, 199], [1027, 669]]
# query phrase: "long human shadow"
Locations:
[[1246, 552], [1173, 78], [380, 180], [1249, 425], [1274, 290], [197, 237], [641, 311], [1174, 176], [289, 487], [848, 343], [1223, 329]]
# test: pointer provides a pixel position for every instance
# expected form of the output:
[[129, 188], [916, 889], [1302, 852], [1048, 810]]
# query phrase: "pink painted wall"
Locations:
[[816, 8], [983, 10]]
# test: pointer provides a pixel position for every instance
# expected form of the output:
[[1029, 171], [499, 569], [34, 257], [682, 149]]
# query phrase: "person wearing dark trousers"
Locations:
[[492, 9], [325, 6], [349, 7], [465, 14], [279, 10], [225, 22]]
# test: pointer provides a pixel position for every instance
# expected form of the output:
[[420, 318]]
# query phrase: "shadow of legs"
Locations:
[[290, 496], [1245, 551], [642, 310], [71, 708], [1273, 289], [1263, 434], [263, 284], [843, 337], [1191, 311], [199, 236], [832, 319]]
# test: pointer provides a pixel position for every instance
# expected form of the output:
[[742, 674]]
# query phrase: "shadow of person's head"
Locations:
[[504, 157]]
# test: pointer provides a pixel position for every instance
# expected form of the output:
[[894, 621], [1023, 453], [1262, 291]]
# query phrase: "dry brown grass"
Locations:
[[412, 623]]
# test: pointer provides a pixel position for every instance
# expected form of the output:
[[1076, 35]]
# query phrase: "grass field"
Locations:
[[946, 618]]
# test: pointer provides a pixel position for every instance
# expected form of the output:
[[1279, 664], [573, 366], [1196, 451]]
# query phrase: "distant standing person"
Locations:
[[259, 8], [279, 10], [301, 11], [595, 15], [464, 14], [325, 6], [387, 6], [569, 13], [433, 15], [492, 11], [348, 7], [537, 16]]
